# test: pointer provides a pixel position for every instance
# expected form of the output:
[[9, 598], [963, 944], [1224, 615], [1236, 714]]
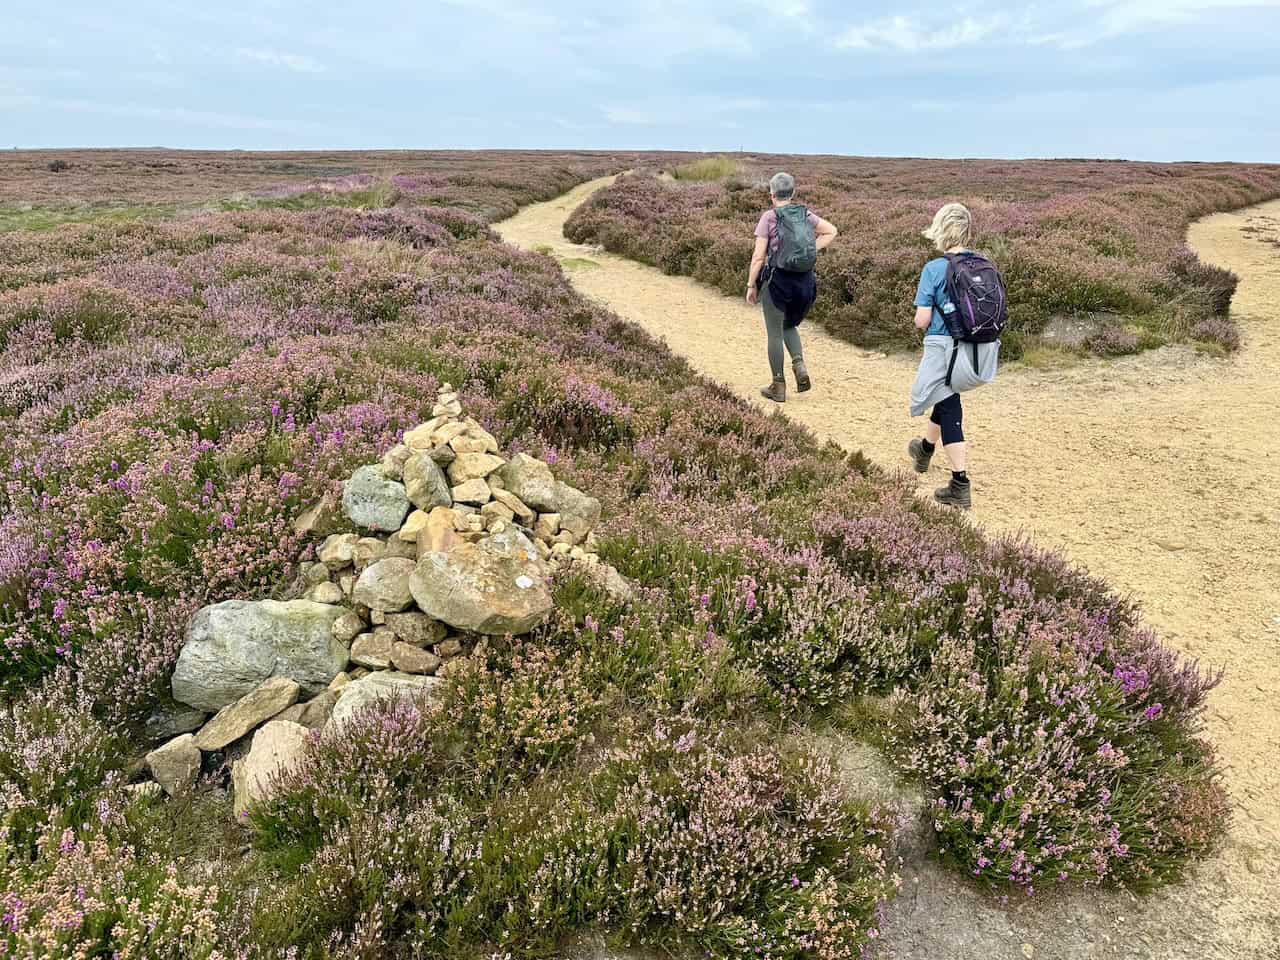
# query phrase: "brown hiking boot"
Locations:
[[777, 391], [803, 382], [955, 494], [919, 459]]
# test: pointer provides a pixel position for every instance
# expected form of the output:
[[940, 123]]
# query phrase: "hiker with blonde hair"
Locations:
[[960, 305], [781, 278]]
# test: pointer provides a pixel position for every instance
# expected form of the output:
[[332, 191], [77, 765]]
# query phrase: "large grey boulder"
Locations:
[[425, 483], [372, 501], [496, 586], [231, 647], [278, 747], [382, 685]]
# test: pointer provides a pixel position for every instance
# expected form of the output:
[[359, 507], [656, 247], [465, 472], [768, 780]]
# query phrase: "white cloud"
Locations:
[[908, 35], [290, 61], [1108, 19]]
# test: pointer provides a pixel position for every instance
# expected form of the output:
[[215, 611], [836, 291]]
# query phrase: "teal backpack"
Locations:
[[797, 242]]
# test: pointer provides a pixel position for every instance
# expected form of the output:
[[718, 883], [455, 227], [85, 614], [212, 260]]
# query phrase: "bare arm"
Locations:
[[923, 316], [757, 263], [825, 232]]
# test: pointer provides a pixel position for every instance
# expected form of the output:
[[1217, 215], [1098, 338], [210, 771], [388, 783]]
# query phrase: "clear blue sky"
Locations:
[[1151, 79]]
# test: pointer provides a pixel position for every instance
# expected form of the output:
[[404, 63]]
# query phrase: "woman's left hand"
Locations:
[[753, 296]]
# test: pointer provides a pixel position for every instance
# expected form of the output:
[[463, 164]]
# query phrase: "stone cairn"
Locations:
[[460, 545]]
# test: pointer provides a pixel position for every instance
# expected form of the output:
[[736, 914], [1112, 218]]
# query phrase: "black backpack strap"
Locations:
[[951, 365]]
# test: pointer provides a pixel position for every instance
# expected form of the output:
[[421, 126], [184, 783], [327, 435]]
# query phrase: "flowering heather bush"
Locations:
[[85, 896], [1071, 237], [679, 836], [173, 395], [123, 186]]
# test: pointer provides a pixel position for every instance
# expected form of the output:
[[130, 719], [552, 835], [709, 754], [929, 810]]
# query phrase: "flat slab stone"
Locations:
[[176, 765], [235, 720]]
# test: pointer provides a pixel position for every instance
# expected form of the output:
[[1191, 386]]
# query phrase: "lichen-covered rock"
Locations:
[[372, 501], [373, 650], [175, 765], [496, 586], [384, 585], [313, 714], [410, 659], [231, 647], [277, 748], [258, 706], [472, 466], [425, 483], [393, 461], [169, 719], [325, 593], [475, 492], [347, 627], [383, 685], [338, 550], [417, 628], [532, 481]]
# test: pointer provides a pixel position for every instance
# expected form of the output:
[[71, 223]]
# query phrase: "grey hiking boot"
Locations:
[[803, 382], [919, 459], [777, 391], [955, 494]]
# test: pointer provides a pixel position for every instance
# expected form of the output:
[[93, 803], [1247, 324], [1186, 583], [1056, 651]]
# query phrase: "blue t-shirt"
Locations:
[[932, 292]]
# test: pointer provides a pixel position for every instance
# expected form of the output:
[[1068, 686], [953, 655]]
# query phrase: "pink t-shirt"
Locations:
[[768, 227]]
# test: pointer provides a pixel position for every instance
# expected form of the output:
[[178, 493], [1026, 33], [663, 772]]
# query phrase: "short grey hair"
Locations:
[[782, 186]]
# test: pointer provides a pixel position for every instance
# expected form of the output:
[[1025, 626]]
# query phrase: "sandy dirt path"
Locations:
[[1159, 472]]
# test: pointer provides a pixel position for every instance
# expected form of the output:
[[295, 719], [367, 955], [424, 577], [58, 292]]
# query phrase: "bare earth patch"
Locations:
[[1157, 472]]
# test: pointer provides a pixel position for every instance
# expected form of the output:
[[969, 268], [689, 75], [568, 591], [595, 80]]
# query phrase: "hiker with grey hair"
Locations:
[[781, 278], [960, 306]]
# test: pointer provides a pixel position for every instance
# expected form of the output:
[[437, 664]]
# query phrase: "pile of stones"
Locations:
[[455, 544]]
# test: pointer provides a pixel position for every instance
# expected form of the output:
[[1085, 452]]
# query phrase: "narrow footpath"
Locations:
[[1159, 473]]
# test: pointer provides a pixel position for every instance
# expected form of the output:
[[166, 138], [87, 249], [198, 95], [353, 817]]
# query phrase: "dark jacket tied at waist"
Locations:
[[792, 293]]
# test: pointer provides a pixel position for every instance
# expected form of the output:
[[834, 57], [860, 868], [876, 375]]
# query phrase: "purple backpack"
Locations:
[[975, 290]]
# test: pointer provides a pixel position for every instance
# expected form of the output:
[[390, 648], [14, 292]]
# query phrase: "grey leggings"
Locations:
[[778, 335]]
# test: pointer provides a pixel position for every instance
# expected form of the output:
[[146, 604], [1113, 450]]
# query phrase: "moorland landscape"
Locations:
[[202, 351]]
